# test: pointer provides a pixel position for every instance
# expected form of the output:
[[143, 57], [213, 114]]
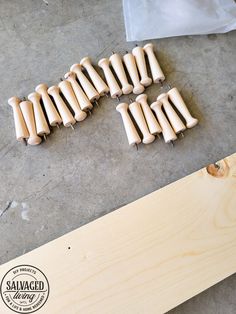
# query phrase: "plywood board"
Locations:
[[148, 256]]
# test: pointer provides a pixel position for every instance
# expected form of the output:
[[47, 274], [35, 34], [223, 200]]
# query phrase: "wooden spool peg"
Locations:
[[67, 118], [131, 132], [157, 74], [167, 131], [68, 92], [28, 114], [138, 53], [135, 109], [98, 82], [40, 120], [130, 64], [83, 100], [179, 103], [118, 67], [174, 119], [151, 120], [114, 87], [88, 88], [52, 114], [21, 130]]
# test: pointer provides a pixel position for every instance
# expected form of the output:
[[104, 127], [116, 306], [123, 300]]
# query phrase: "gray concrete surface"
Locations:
[[75, 177]]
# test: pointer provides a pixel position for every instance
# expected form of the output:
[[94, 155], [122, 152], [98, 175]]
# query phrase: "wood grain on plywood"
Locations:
[[148, 256]]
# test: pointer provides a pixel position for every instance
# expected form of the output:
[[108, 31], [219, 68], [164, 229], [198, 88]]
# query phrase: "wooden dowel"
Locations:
[[174, 119], [98, 82], [167, 131], [130, 64], [67, 118], [118, 67], [52, 114], [114, 87], [136, 111], [138, 53], [131, 132], [21, 130], [151, 120], [28, 114], [40, 120]]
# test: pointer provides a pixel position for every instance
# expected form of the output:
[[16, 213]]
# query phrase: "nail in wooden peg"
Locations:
[[96, 103]]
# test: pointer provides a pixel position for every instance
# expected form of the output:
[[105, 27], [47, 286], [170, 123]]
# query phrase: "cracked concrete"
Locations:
[[78, 176], [4, 210]]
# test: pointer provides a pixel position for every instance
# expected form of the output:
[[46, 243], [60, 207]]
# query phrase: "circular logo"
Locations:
[[24, 289]]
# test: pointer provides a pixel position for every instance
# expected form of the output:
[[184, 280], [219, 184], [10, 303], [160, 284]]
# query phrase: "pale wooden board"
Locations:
[[148, 256]]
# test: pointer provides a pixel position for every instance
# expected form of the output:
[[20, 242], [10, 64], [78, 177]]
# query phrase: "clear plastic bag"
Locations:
[[147, 19]]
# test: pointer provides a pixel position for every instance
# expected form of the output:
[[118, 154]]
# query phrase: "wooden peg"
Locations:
[[40, 120], [151, 120], [130, 64], [131, 132], [157, 74], [68, 92], [28, 114], [138, 53], [118, 67], [136, 111], [52, 114], [67, 118], [21, 130], [84, 103], [174, 119], [167, 131], [98, 82], [179, 103], [114, 87], [88, 88]]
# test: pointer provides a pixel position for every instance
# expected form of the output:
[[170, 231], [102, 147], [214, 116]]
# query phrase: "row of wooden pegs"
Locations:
[[135, 64], [32, 120], [167, 121]]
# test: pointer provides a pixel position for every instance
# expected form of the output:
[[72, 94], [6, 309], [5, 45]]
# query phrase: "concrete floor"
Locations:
[[75, 177]]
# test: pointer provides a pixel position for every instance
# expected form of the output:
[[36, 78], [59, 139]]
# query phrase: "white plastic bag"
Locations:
[[147, 19]]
